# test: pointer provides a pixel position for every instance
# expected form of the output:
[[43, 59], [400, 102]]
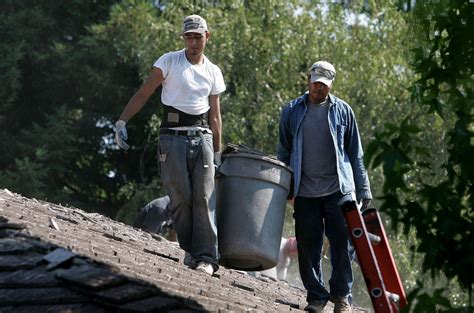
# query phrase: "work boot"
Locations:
[[315, 306], [342, 305], [189, 260], [205, 267]]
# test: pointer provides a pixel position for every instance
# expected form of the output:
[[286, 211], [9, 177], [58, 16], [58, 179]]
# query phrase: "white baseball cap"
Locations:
[[323, 72], [194, 24]]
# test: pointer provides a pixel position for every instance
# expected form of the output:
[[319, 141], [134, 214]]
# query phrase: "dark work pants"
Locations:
[[315, 217]]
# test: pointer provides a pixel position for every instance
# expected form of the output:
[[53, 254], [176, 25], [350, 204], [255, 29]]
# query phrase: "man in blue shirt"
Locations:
[[320, 140]]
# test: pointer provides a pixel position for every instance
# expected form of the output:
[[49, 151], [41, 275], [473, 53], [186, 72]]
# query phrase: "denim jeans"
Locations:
[[187, 172], [313, 218]]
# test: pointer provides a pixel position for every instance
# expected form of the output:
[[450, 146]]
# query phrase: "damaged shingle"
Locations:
[[58, 258], [92, 277], [238, 285], [113, 236], [126, 293], [166, 256], [12, 226]]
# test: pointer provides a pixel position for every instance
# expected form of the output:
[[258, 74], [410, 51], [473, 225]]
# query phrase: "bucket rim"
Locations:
[[258, 157]]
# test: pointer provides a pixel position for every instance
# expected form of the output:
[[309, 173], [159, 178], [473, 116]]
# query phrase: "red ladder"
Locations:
[[375, 259]]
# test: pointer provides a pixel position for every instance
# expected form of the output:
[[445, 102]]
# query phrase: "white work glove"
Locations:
[[365, 204], [121, 134]]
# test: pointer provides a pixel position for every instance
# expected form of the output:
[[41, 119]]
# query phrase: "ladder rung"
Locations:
[[374, 238], [393, 296]]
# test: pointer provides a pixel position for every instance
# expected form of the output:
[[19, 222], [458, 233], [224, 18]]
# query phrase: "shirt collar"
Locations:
[[331, 99]]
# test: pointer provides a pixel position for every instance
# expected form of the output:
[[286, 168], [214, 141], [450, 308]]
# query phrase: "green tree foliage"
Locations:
[[60, 89], [431, 189]]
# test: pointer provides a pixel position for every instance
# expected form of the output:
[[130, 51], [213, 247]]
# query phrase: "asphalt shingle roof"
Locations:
[[60, 259]]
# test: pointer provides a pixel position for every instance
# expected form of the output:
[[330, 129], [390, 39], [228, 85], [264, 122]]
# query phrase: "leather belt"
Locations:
[[188, 133]]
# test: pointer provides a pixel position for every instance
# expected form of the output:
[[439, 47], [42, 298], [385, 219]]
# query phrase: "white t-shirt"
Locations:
[[187, 87]]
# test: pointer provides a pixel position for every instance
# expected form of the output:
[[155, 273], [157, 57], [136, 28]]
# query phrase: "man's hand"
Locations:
[[365, 204], [121, 134], [217, 163], [217, 159]]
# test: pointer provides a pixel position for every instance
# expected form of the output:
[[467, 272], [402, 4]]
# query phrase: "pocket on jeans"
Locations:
[[208, 141], [164, 147]]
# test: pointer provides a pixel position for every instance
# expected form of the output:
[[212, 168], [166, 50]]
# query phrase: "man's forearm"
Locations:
[[134, 105], [215, 121], [216, 136]]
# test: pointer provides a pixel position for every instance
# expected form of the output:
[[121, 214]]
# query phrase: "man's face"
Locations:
[[317, 91], [195, 42]]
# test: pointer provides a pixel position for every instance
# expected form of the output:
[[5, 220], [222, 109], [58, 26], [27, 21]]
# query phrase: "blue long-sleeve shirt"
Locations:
[[351, 172]]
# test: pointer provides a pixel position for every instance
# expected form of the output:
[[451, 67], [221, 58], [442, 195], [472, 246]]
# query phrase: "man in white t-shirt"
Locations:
[[190, 139]]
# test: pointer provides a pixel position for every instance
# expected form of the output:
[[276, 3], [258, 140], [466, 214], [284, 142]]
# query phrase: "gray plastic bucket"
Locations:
[[251, 194]]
